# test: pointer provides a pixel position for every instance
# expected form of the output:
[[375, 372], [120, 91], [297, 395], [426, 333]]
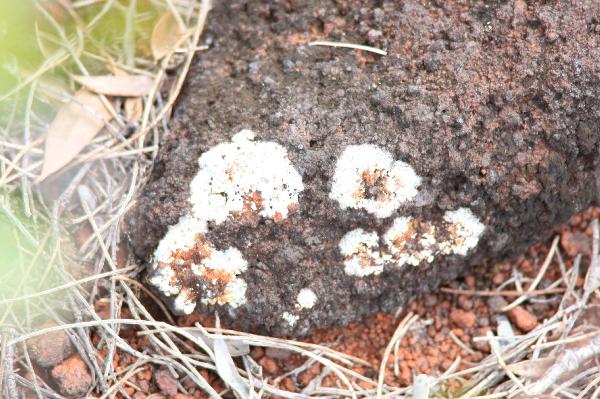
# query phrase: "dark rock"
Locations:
[[476, 134]]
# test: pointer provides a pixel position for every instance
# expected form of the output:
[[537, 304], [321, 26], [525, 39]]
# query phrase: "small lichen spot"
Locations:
[[291, 319], [410, 241], [465, 230], [367, 177], [306, 298], [361, 253]]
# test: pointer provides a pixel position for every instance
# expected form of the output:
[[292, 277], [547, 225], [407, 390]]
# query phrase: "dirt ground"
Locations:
[[449, 321]]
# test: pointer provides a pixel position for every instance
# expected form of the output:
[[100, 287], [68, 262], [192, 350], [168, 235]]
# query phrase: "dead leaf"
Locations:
[[123, 86], [166, 35], [134, 106], [532, 368], [74, 127]]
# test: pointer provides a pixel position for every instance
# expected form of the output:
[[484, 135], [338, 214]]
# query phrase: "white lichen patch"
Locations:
[[179, 237], [185, 302], [231, 173], [185, 262], [367, 177], [306, 298], [464, 230], [235, 179], [410, 241], [218, 274], [361, 253], [291, 319]]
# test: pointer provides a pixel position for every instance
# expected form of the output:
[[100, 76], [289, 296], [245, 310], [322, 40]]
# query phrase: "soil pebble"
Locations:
[[523, 319], [72, 377], [462, 318], [50, 349], [277, 353], [165, 381], [575, 242]]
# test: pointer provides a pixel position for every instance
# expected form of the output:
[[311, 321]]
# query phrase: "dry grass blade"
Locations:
[[167, 34], [225, 366], [348, 45], [537, 279], [531, 368], [73, 128], [124, 86], [401, 330], [592, 279]]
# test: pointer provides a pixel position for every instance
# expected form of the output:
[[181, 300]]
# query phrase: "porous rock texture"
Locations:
[[495, 105]]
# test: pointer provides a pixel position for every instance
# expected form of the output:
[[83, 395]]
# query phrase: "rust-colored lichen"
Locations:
[[192, 275], [374, 185]]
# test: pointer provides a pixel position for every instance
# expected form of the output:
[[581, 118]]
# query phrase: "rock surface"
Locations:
[[364, 180]]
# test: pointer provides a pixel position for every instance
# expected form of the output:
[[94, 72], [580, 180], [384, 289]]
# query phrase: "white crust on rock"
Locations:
[[290, 318], [465, 230], [361, 253], [230, 172], [244, 175], [306, 298], [367, 177], [410, 241]]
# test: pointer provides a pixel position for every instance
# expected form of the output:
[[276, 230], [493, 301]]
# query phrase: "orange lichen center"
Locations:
[[200, 250], [253, 204], [373, 186], [454, 235], [216, 280], [401, 241], [364, 259], [277, 217]]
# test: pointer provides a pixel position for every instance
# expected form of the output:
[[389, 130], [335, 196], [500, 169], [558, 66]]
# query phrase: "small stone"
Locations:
[[470, 281], [165, 381], [462, 318], [496, 303], [269, 365], [72, 377], [50, 349], [277, 353], [574, 243], [465, 303], [498, 279], [524, 320], [257, 353]]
